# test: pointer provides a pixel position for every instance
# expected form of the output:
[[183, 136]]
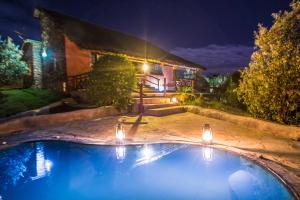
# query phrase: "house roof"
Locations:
[[93, 37]]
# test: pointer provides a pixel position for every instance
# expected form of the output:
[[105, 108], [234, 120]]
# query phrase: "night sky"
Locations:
[[215, 33]]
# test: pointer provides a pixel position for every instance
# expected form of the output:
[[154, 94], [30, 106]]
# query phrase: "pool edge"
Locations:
[[275, 169]]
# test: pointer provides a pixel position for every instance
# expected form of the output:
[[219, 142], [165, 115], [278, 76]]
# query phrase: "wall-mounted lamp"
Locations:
[[145, 67], [44, 53]]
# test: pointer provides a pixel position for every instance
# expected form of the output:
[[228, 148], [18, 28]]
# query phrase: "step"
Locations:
[[154, 100], [164, 111], [149, 89], [154, 94], [161, 105]]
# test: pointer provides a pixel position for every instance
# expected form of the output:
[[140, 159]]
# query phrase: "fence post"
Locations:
[[165, 86], [141, 104]]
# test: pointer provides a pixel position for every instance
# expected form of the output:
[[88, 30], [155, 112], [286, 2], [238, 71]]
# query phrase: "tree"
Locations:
[[112, 81], [12, 67], [229, 96], [270, 85], [202, 84]]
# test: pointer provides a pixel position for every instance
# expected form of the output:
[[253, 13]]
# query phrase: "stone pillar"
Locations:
[[37, 64]]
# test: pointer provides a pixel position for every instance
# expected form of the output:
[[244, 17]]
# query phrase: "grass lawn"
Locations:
[[19, 100]]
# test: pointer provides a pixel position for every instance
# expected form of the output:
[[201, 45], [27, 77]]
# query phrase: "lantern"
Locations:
[[207, 135], [120, 134], [174, 99]]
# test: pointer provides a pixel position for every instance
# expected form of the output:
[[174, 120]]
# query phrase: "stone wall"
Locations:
[[40, 121], [284, 131]]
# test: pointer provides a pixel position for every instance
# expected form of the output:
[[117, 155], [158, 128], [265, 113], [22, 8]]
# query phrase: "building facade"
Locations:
[[70, 46]]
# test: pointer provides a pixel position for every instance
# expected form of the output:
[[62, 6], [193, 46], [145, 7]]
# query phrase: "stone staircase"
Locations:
[[156, 104]]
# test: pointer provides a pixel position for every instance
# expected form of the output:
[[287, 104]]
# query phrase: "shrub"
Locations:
[[185, 96], [112, 81], [12, 68], [270, 85]]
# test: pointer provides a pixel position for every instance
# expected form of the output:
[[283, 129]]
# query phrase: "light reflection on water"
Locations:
[[43, 166], [120, 152], [158, 171]]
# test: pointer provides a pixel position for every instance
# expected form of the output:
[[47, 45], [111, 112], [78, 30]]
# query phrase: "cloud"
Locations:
[[217, 58]]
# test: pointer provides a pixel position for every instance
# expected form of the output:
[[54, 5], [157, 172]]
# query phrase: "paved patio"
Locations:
[[278, 153]]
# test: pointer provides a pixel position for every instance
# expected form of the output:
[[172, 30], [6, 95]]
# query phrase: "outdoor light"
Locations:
[[64, 85], [207, 153], [120, 134], [174, 100], [44, 53], [120, 152], [145, 67], [207, 135]]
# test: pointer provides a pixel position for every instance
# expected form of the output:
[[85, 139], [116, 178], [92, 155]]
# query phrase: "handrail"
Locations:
[[78, 81], [157, 79], [151, 82], [152, 77]]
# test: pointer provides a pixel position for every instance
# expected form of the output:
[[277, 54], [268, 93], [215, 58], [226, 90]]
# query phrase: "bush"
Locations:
[[112, 81], [270, 85], [201, 83], [12, 68], [185, 96]]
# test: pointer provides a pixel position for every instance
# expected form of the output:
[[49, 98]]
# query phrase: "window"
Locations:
[[185, 73], [156, 69]]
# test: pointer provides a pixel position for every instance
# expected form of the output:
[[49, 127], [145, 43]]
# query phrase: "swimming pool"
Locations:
[[63, 170]]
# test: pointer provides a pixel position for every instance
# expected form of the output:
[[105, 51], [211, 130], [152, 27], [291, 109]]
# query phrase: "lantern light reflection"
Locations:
[[207, 153], [147, 152], [48, 165], [120, 152]]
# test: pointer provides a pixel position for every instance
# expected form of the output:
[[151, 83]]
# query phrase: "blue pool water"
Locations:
[[69, 171]]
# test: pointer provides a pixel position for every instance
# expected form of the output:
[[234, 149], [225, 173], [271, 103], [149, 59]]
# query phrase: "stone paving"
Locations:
[[280, 154]]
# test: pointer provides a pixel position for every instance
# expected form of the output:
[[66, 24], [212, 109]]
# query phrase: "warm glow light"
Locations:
[[207, 134], [145, 67], [207, 153], [120, 134], [64, 86], [44, 53], [120, 152], [174, 100]]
